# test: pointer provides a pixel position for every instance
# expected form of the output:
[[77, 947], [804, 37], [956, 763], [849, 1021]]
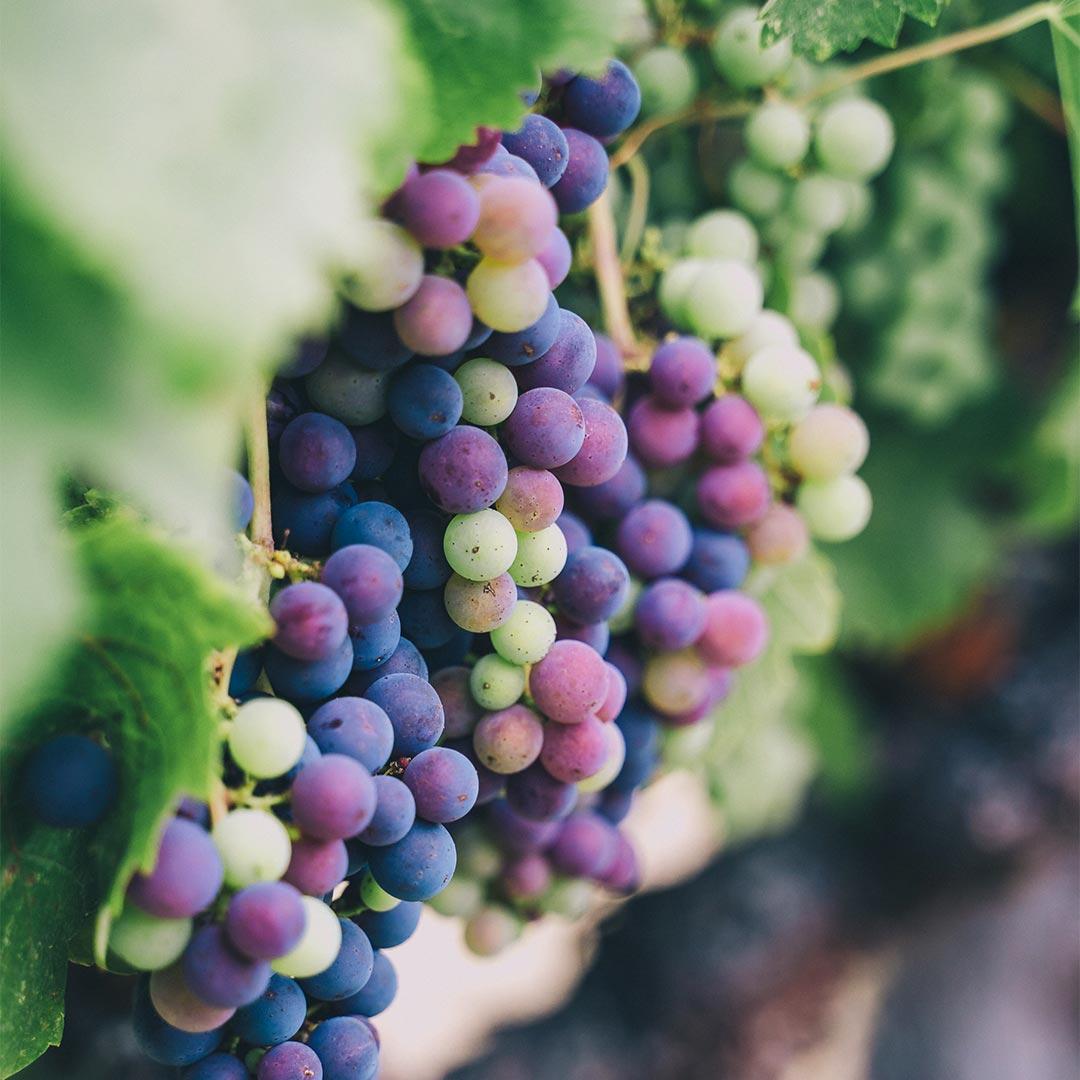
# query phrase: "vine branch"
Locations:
[[609, 276]]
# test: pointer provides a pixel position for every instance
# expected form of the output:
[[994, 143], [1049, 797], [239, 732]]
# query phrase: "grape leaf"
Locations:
[[821, 28], [1066, 38], [138, 677], [802, 602]]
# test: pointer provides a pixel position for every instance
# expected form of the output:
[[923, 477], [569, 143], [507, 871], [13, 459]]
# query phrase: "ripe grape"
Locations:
[[542, 144], [415, 711], [418, 865], [310, 621], [187, 873], [444, 784], [350, 970], [605, 106], [265, 920], [546, 428], [288, 1060], [317, 867], [586, 174], [439, 208], [569, 683], [70, 781], [654, 539], [375, 523], [395, 812], [731, 430], [355, 727], [480, 606], [316, 452], [374, 998], [424, 401], [464, 471], [367, 579], [216, 974], [736, 629], [733, 496]]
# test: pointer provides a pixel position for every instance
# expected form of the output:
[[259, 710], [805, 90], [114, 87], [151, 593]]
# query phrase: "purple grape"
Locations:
[[303, 523], [333, 798], [187, 875], [596, 635], [216, 1067], [662, 437], [375, 997], [163, 1043], [440, 208], [683, 373], [444, 784], [731, 430], [428, 568], [622, 874], [424, 401], [574, 752], [526, 345], [669, 615], [317, 866], [350, 970], [556, 257], [387, 929], [605, 106], [377, 524], [290, 1061], [395, 812], [537, 796], [628, 661], [526, 877], [70, 781], [308, 680], [374, 644], [219, 975], [265, 920], [415, 712], [368, 339], [614, 498], [463, 471], [568, 363], [602, 453], [284, 403], [424, 618], [376, 447], [418, 866], [316, 452], [717, 561], [275, 1015], [490, 784], [586, 174], [575, 532], [367, 579], [593, 586], [586, 846], [510, 166], [546, 428], [434, 321], [509, 740], [469, 158], [608, 375], [531, 500], [616, 695], [311, 621], [355, 727], [406, 658], [615, 805], [736, 629], [733, 496], [540, 142], [654, 538]]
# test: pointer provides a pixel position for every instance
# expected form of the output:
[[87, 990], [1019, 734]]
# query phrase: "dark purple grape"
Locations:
[[424, 618], [374, 644], [519, 835], [333, 798], [529, 344], [316, 452], [308, 680], [375, 997], [290, 1061], [368, 340], [415, 712], [602, 453], [303, 523], [317, 866], [355, 727], [605, 106], [731, 430], [733, 496], [440, 208], [537, 796], [367, 579], [216, 1067], [654, 539], [377, 524], [350, 970], [586, 173], [386, 929], [575, 532], [463, 471], [275, 1015], [607, 375], [218, 974], [568, 363], [662, 437], [424, 401], [459, 706], [187, 875], [683, 373], [669, 615], [428, 568], [265, 920], [418, 866], [546, 428], [70, 781], [540, 142], [311, 621], [593, 586], [614, 498], [444, 784], [717, 561], [395, 812], [585, 847]]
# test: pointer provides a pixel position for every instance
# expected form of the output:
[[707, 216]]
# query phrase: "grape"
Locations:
[[176, 1004], [732, 496], [266, 737], [376, 524], [622, 622], [603, 450], [436, 321], [782, 382], [567, 364], [541, 556], [546, 428], [613, 760], [265, 920], [526, 636], [69, 782], [275, 1016], [829, 441], [395, 812], [593, 585], [756, 191], [605, 106], [317, 866], [516, 219], [216, 1067], [423, 615], [253, 846], [821, 202], [667, 79], [347, 393], [615, 698], [439, 208], [316, 452], [505, 165], [309, 680], [374, 643], [464, 471], [542, 144], [428, 568], [375, 997], [724, 298], [424, 401], [333, 797], [241, 500], [595, 635], [163, 1043], [508, 296], [444, 784], [385, 267], [574, 752], [376, 448], [815, 300], [670, 615], [777, 135], [607, 375], [246, 669], [414, 709], [303, 523], [480, 546], [490, 930], [418, 866], [290, 1061], [187, 873], [148, 942], [517, 835], [367, 579], [355, 727], [854, 138], [509, 740], [623, 875], [682, 373], [586, 174], [612, 499], [370, 340], [317, 948], [491, 784], [574, 530], [779, 537], [569, 683], [736, 629], [217, 974], [532, 499], [662, 437], [739, 54], [375, 898], [406, 658], [496, 683], [769, 328], [586, 846], [731, 430], [480, 606], [722, 234], [310, 619], [718, 560], [654, 539], [462, 712], [675, 682], [675, 287], [534, 794], [350, 970], [489, 392], [386, 929], [835, 510], [524, 346], [525, 878]]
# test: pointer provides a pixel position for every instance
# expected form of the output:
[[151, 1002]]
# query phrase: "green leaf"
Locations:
[[821, 28], [138, 677], [802, 602], [1066, 38]]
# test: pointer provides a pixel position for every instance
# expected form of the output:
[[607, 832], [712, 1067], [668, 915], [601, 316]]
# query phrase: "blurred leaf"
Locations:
[[802, 602], [137, 677], [1066, 38]]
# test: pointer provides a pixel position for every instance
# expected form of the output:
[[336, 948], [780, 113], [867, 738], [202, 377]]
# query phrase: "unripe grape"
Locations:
[[782, 382], [508, 296], [815, 300], [854, 138], [724, 299], [667, 79], [267, 737], [769, 328], [756, 191], [835, 510], [253, 846], [739, 54], [319, 946], [496, 683], [385, 267], [480, 546], [527, 635], [778, 135], [723, 234], [829, 441]]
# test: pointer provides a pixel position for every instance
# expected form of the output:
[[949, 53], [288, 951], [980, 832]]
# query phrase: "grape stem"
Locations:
[[258, 447], [637, 218], [609, 276]]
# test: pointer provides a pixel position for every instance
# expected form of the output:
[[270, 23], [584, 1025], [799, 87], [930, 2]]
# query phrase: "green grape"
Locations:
[[821, 202], [495, 683], [146, 942], [491, 929], [267, 737], [489, 392], [540, 558], [798, 249], [675, 682], [622, 622], [374, 896], [854, 138], [860, 209], [675, 287], [835, 510], [667, 80], [815, 300], [461, 897], [569, 897], [319, 946], [478, 858], [347, 393], [723, 234], [777, 135], [829, 441], [724, 299], [480, 546], [782, 382], [769, 328], [527, 635], [739, 54], [253, 845], [756, 191], [508, 297], [612, 764], [385, 267]]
